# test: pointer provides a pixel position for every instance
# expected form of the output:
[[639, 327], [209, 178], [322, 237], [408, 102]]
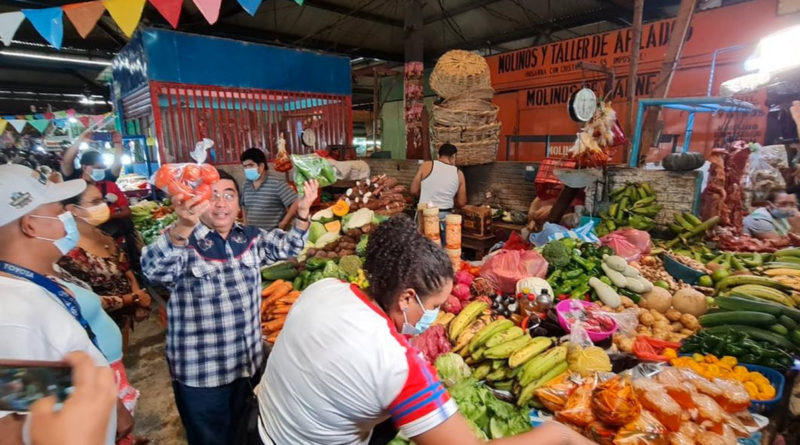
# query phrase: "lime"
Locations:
[[720, 274], [662, 284], [705, 281]]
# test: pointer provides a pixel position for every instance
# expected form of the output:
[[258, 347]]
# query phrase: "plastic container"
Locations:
[[430, 224], [455, 258], [453, 231], [680, 271], [596, 337], [776, 379]]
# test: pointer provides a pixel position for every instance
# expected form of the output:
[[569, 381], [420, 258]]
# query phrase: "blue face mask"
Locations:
[[68, 241], [98, 174], [780, 213], [428, 317], [251, 174]]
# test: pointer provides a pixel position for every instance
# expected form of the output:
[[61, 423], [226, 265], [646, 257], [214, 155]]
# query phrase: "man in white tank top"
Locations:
[[440, 182]]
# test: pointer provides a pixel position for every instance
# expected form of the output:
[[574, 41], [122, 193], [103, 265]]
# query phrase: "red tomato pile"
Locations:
[[186, 180]]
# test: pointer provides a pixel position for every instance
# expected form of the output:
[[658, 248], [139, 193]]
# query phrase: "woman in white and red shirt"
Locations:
[[342, 364]]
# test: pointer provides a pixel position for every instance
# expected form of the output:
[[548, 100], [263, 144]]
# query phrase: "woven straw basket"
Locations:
[[458, 72], [458, 135], [458, 116], [474, 153]]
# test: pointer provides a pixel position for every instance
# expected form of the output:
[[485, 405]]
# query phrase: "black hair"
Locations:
[[225, 175], [91, 157], [399, 258], [447, 150], [255, 155], [76, 200]]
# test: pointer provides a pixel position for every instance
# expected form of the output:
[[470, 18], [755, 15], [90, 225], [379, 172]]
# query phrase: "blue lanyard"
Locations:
[[47, 284]]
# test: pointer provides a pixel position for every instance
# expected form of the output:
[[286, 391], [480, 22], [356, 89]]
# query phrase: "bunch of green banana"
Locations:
[[632, 205], [688, 226], [759, 288]]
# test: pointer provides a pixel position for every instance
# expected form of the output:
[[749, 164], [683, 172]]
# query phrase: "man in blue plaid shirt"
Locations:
[[211, 265]]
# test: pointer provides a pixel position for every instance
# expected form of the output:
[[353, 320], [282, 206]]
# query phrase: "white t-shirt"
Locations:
[[34, 325], [339, 368]]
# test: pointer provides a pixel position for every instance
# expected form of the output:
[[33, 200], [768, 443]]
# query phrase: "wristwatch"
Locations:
[[302, 219]]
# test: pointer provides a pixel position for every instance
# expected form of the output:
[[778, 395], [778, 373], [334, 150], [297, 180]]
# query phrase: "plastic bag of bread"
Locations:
[[726, 437], [734, 397], [679, 438], [614, 401], [578, 409], [702, 384], [601, 433], [654, 397], [674, 382], [708, 409], [645, 430], [555, 394]]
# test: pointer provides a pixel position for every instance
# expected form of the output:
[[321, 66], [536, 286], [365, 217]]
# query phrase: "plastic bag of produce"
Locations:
[[734, 396], [645, 430], [673, 381], [506, 267], [309, 167], [614, 401], [186, 180], [432, 343], [554, 394], [601, 433], [550, 232], [630, 244], [578, 409], [655, 398], [762, 177]]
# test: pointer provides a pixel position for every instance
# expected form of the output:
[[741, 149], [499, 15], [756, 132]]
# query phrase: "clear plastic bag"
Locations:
[[578, 409], [310, 167], [554, 395], [630, 244], [655, 398], [627, 321], [186, 180], [762, 178], [614, 401], [645, 430]]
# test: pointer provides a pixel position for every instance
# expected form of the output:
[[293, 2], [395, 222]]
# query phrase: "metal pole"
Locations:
[[375, 85], [638, 8]]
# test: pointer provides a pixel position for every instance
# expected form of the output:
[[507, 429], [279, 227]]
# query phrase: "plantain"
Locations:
[[504, 350], [482, 371], [464, 318], [529, 390], [536, 347], [444, 318], [504, 336], [462, 342], [488, 331], [540, 364], [737, 280]]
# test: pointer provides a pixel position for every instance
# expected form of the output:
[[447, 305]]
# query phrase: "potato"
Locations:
[[626, 302], [677, 338], [687, 332], [662, 325], [690, 321], [676, 326], [658, 316], [660, 334], [673, 314], [647, 319]]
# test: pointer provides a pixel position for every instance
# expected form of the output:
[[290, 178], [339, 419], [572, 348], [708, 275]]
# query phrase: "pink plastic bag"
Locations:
[[506, 267], [630, 244]]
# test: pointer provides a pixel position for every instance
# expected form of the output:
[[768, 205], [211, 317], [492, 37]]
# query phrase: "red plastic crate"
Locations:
[[546, 183]]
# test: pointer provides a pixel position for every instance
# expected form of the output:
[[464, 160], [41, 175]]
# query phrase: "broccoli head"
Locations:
[[350, 264], [557, 254]]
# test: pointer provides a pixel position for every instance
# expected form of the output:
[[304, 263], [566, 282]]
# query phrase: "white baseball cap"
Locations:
[[23, 189]]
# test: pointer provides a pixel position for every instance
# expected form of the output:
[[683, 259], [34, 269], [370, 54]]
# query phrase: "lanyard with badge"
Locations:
[[47, 284]]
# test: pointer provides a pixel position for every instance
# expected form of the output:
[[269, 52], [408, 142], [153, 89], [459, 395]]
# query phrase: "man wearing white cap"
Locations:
[[39, 320]]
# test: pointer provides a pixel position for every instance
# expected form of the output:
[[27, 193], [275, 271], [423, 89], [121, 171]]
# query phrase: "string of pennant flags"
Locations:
[[49, 22], [41, 121]]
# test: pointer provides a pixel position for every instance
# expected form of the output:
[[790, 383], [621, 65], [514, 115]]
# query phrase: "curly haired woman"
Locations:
[[342, 364]]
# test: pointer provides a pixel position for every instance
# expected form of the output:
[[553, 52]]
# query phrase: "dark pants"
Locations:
[[210, 414]]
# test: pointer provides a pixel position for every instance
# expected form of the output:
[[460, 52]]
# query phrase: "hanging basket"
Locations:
[[476, 153], [468, 113], [458, 72], [458, 135]]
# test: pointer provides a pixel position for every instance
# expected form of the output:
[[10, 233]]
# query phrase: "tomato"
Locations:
[[176, 188], [191, 173], [208, 173], [164, 175], [203, 191]]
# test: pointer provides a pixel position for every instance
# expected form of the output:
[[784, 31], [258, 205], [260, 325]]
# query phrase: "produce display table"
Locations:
[[479, 244], [502, 230]]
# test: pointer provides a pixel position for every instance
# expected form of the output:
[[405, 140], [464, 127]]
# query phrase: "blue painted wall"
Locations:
[[171, 56]]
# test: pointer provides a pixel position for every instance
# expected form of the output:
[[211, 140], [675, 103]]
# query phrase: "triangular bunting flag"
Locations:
[[84, 15], [49, 116], [18, 124], [61, 114], [3, 124], [40, 125], [70, 112], [169, 9], [28, 117], [251, 6], [299, 2], [84, 120], [49, 22], [9, 22], [126, 13], [97, 119], [209, 9]]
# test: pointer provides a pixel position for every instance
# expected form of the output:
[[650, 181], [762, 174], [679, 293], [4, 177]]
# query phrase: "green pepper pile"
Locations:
[[737, 343], [570, 273]]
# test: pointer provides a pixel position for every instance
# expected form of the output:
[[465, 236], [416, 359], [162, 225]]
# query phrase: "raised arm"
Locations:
[[165, 260], [277, 245]]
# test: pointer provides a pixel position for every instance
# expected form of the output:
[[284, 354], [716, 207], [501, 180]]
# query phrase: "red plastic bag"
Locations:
[[630, 244], [516, 242], [506, 267]]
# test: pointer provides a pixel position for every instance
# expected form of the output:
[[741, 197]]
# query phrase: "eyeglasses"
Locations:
[[228, 196]]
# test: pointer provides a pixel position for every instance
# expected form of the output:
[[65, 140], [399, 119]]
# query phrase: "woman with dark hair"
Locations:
[[342, 364]]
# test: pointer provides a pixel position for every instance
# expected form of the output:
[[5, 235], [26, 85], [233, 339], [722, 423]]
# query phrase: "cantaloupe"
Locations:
[[334, 226]]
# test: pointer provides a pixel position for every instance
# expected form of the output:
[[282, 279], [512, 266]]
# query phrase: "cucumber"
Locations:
[[742, 304], [749, 318], [794, 336], [283, 271], [779, 329], [760, 334], [788, 322]]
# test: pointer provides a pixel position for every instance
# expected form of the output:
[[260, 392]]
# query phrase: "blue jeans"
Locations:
[[208, 414]]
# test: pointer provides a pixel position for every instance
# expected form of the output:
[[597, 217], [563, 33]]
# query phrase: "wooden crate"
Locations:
[[476, 220]]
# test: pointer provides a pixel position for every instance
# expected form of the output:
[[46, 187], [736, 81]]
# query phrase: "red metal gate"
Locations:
[[239, 118]]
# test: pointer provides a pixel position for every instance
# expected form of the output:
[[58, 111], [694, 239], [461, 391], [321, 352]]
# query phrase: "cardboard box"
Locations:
[[476, 221]]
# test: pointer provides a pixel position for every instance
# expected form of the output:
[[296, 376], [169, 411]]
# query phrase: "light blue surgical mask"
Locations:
[[98, 174], [68, 241], [427, 319], [251, 173]]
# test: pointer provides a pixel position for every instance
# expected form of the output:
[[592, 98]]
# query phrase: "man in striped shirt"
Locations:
[[267, 201]]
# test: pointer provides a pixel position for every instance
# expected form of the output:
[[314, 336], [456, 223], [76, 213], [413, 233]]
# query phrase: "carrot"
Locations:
[[274, 325], [267, 291], [287, 300], [273, 337], [280, 310], [264, 308], [279, 293]]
